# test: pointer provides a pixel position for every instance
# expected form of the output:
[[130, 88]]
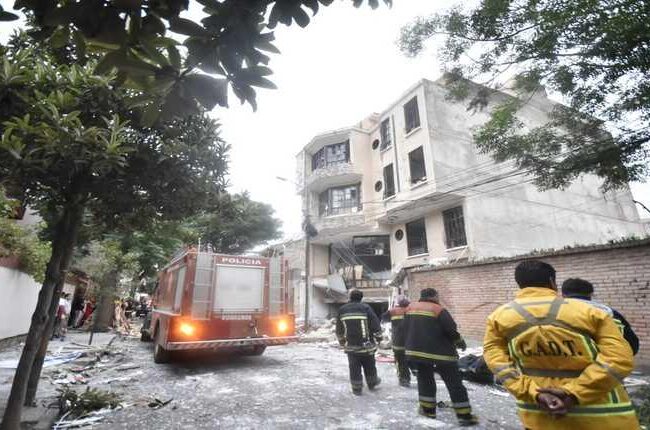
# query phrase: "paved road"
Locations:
[[299, 386]]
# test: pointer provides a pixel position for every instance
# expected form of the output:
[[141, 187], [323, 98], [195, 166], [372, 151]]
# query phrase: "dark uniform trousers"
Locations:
[[451, 377], [403, 372], [365, 361]]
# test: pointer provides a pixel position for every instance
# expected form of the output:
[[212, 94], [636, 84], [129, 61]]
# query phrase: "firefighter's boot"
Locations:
[[467, 420], [373, 385], [427, 412]]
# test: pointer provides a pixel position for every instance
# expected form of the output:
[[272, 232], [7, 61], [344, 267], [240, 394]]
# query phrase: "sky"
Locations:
[[344, 66]]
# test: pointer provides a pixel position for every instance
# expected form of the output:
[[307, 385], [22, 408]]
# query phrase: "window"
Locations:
[[416, 165], [411, 115], [339, 200], [389, 181], [416, 237], [330, 155], [454, 227], [373, 252], [386, 139]]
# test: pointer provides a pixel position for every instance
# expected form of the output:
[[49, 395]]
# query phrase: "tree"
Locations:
[[591, 52], [237, 225], [160, 53], [72, 145]]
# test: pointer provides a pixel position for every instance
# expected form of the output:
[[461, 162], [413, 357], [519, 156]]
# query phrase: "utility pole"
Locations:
[[306, 225], [307, 229]]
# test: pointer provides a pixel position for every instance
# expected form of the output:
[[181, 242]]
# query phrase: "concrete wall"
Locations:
[[19, 294], [620, 274]]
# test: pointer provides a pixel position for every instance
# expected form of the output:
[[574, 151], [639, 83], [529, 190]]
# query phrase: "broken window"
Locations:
[[416, 237], [331, 155], [373, 252], [386, 139], [416, 165], [339, 200], [411, 115], [389, 181], [454, 227]]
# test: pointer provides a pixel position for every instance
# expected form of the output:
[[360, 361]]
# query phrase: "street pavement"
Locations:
[[299, 386]]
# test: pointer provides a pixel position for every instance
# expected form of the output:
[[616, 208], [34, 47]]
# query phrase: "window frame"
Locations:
[[423, 177], [411, 115], [386, 139], [453, 220], [326, 157], [389, 185], [326, 205], [411, 248]]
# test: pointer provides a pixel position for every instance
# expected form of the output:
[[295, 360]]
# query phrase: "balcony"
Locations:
[[332, 175]]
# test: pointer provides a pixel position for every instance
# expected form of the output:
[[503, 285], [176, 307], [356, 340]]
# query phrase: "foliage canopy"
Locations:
[[591, 52]]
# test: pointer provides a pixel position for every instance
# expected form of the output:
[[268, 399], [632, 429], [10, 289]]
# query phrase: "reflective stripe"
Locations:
[[461, 405], [354, 317], [503, 378], [551, 373], [428, 405], [398, 348], [611, 371], [498, 369], [396, 317], [599, 410], [432, 356], [427, 399], [463, 411], [422, 313]]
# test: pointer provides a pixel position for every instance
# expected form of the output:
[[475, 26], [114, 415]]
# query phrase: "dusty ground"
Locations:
[[301, 385]]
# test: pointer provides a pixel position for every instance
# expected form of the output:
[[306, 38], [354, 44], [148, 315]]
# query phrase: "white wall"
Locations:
[[19, 294]]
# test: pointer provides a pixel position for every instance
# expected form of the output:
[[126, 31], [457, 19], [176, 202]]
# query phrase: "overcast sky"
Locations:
[[341, 68]]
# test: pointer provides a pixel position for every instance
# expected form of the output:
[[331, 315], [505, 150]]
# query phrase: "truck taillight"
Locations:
[[186, 329], [283, 326]]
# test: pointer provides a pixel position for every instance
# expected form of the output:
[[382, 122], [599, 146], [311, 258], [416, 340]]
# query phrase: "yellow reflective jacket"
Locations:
[[542, 340]]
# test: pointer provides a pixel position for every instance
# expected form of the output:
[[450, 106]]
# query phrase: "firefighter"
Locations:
[[396, 318], [358, 331], [431, 340], [563, 359], [576, 288]]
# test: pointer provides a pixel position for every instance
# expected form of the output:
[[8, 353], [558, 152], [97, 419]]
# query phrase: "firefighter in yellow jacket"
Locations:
[[564, 360]]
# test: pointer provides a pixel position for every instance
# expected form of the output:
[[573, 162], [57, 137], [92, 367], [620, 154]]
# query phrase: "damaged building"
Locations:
[[407, 187]]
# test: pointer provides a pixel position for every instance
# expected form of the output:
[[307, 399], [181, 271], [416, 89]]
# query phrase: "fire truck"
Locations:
[[207, 301]]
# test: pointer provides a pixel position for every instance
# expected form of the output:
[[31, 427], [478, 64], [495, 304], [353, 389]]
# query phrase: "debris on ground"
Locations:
[[157, 403], [75, 407], [48, 362]]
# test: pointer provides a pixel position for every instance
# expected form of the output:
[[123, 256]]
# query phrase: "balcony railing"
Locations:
[[366, 283]]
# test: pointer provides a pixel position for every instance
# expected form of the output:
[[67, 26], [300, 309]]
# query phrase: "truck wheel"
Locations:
[[160, 354], [258, 350]]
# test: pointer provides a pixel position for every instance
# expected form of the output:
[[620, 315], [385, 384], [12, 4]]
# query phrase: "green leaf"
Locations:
[[174, 57], [107, 63], [267, 46], [154, 55], [80, 43], [207, 90], [150, 115], [151, 24], [301, 17], [187, 27], [7, 16], [60, 38]]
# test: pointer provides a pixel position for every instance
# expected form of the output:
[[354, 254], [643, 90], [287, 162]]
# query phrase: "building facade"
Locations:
[[407, 187]]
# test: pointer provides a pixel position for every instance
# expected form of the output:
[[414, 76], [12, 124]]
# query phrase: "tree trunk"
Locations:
[[106, 302], [37, 366], [64, 241]]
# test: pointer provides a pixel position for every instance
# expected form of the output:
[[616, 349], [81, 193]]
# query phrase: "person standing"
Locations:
[[61, 323], [358, 331], [431, 339], [563, 360], [396, 318], [576, 288]]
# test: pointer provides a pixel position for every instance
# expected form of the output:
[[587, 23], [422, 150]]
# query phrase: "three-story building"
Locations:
[[407, 187]]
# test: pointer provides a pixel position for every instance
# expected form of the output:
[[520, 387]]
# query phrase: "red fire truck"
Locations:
[[221, 302]]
